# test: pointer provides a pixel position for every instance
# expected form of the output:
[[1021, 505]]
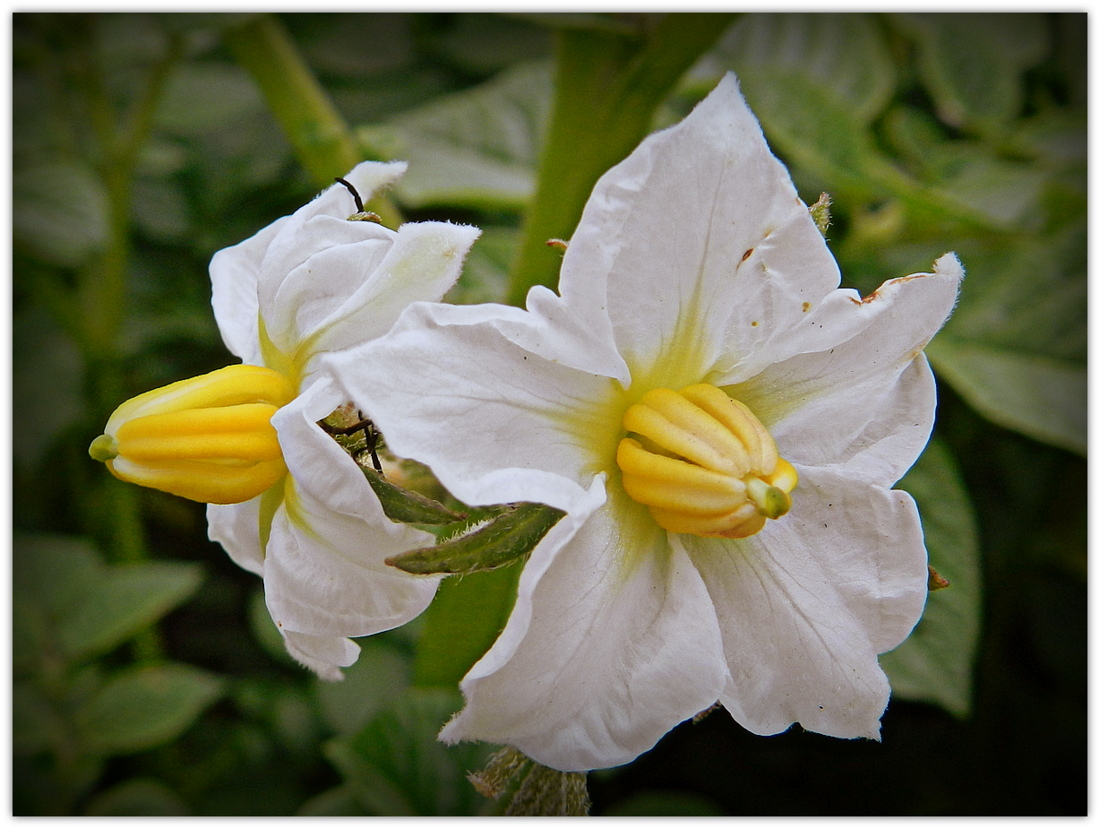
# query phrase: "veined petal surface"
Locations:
[[448, 388], [698, 234], [803, 621], [870, 392], [601, 654]]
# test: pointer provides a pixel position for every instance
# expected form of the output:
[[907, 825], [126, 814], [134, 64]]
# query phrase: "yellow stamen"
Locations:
[[703, 463], [208, 438]]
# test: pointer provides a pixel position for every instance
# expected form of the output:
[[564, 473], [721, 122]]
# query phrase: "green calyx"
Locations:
[[407, 506], [504, 539]]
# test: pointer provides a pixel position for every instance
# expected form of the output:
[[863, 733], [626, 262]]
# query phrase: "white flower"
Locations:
[[309, 284], [697, 272]]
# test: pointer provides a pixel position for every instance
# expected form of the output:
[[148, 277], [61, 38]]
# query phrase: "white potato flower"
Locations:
[[722, 425], [286, 501]]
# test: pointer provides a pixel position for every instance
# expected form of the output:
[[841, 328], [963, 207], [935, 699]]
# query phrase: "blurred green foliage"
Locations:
[[147, 676]]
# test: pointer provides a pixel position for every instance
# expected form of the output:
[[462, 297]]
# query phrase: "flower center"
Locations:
[[208, 438], [703, 463]]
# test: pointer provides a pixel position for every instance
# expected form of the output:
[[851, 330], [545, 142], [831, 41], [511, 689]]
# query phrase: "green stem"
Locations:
[[321, 138], [607, 88]]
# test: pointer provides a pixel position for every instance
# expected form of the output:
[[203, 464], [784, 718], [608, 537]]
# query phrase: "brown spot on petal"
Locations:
[[871, 297], [747, 254], [755, 323], [805, 307]]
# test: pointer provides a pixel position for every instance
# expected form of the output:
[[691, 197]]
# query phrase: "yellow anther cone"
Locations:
[[208, 438], [703, 463]]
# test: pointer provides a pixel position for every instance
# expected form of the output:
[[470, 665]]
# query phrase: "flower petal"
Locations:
[[422, 264], [807, 605], [234, 280], [868, 397], [237, 528], [601, 655], [324, 572], [307, 277], [324, 655], [703, 242], [447, 388], [247, 277]]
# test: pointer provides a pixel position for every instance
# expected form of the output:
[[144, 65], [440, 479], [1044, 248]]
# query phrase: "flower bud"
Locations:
[[208, 438]]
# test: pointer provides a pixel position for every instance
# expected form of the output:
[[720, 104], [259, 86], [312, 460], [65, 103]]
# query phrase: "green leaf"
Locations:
[[188, 109], [139, 797], [88, 607], [968, 177], [123, 600], [486, 43], [843, 57], [47, 377], [972, 64], [59, 211], [1015, 348], [339, 801], [461, 624], [936, 663], [35, 726], [53, 571], [142, 707], [500, 541], [397, 767], [381, 674], [50, 574], [476, 148], [1042, 397]]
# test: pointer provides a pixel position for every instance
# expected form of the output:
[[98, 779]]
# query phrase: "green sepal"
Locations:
[[533, 789], [407, 506], [506, 538]]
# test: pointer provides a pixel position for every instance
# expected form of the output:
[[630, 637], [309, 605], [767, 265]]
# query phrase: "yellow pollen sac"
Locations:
[[703, 463], [208, 438]]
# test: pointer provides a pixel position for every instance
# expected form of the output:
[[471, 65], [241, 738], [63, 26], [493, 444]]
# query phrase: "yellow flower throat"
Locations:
[[703, 463]]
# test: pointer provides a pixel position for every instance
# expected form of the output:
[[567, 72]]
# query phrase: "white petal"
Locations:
[[325, 572], [807, 604], [867, 398], [246, 277], [234, 279], [447, 388], [571, 330], [308, 274], [612, 643], [422, 264], [699, 234], [237, 528], [322, 228], [324, 655]]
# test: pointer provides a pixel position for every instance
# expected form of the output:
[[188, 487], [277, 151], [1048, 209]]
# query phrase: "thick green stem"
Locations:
[[606, 89], [321, 138]]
